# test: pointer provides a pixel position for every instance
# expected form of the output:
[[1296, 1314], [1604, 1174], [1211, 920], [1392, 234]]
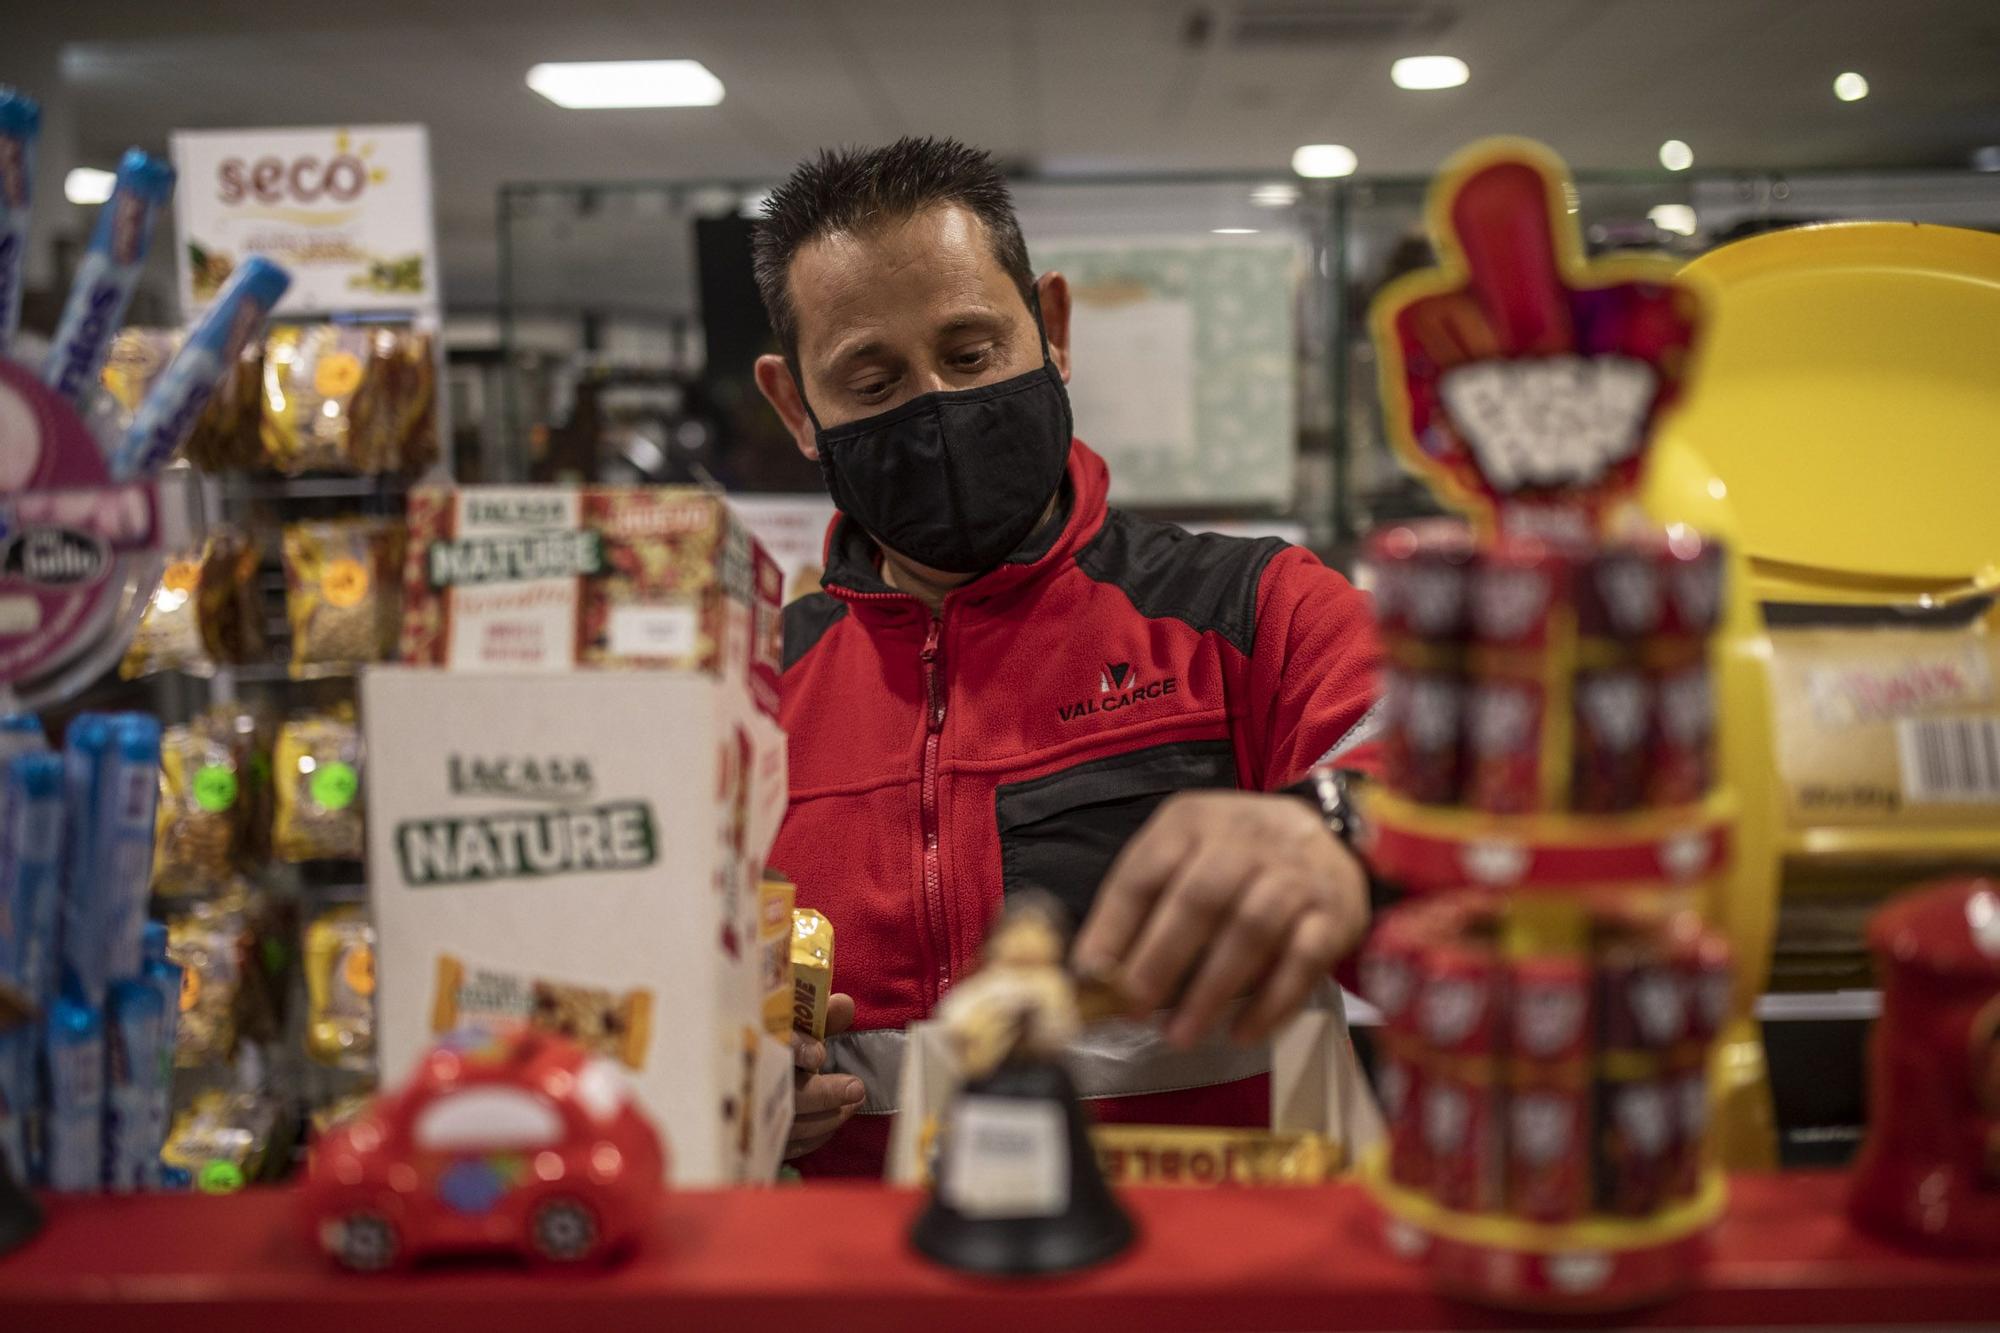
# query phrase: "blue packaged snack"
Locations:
[[137, 1069], [107, 276], [175, 401], [80, 967], [31, 850], [73, 1145], [21, 733], [20, 125], [129, 799]]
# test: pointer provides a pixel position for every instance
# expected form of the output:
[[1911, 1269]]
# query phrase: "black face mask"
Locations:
[[956, 479]]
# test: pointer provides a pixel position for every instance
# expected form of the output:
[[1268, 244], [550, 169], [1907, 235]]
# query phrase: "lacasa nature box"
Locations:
[[553, 578], [583, 851]]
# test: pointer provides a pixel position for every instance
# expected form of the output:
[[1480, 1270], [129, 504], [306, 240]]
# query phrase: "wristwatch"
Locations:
[[1325, 790]]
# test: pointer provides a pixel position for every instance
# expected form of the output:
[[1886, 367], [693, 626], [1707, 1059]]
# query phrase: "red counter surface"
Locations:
[[830, 1257]]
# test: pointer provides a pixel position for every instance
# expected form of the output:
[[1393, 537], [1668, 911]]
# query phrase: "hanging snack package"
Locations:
[[225, 436], [232, 621], [316, 769], [203, 612], [340, 988], [135, 360], [201, 814], [209, 943], [169, 636], [316, 415], [415, 378], [221, 1142], [341, 591]]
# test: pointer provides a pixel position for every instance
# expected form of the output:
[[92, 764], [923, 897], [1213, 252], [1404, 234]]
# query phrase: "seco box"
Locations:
[[583, 851]]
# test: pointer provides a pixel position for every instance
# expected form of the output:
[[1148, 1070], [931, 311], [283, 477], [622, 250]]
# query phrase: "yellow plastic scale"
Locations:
[[1845, 443]]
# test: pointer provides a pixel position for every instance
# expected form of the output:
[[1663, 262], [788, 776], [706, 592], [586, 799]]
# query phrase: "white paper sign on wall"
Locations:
[[346, 209]]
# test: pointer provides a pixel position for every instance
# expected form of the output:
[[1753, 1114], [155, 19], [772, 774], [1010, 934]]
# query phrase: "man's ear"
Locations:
[[1052, 290], [781, 391]]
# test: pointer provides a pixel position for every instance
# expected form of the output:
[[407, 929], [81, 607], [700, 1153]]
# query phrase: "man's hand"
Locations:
[[1246, 893], [821, 1103]]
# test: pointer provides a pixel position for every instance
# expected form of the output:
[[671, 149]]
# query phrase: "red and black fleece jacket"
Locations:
[[1019, 738]]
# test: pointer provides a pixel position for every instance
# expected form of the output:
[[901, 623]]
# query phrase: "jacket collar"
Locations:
[[854, 562]]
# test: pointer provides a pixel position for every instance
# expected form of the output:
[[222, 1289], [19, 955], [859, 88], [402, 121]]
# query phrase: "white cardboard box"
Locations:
[[598, 830]]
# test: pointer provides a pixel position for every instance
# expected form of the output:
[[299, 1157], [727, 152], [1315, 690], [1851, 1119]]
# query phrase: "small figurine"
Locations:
[[20, 1217], [517, 1142], [1018, 1188]]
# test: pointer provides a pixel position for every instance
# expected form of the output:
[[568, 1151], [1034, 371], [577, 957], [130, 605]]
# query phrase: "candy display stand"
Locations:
[[1523, 385]]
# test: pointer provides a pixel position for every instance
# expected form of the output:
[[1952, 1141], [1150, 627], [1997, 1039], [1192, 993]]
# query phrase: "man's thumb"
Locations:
[[839, 1013]]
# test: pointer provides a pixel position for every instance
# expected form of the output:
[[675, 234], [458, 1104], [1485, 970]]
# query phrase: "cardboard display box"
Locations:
[[583, 850]]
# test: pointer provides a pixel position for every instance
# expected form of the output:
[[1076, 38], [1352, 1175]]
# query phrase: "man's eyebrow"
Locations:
[[857, 352], [978, 319]]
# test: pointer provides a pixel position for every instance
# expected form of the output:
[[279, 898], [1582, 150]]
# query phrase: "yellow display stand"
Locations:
[[1845, 443]]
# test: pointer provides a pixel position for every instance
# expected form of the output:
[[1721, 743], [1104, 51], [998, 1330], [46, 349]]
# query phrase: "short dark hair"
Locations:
[[853, 189]]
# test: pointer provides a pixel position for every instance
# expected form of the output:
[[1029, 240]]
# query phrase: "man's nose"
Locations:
[[930, 379]]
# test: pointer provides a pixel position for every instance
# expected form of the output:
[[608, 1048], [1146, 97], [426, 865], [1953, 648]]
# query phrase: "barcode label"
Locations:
[[1950, 760]]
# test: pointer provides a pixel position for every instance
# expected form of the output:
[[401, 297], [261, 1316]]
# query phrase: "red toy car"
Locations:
[[519, 1142]]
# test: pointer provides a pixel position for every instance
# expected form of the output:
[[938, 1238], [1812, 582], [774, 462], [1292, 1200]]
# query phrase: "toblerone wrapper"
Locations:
[[1201, 1155], [774, 952], [812, 970]]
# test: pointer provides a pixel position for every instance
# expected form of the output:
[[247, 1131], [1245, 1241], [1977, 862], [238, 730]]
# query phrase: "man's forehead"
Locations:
[[904, 268]]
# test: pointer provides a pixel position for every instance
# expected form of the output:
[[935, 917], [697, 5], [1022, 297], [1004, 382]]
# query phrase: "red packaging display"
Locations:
[[1611, 710], [1548, 1090], [1459, 1018], [1390, 980], [1702, 960], [1682, 765], [1643, 1015], [1520, 592], [1422, 573], [1422, 712]]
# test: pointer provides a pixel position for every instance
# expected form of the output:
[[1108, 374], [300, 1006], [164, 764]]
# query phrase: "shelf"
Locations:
[[1247, 1259], [243, 486], [1441, 847]]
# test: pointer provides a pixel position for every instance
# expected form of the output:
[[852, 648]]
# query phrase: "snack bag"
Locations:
[[221, 1142], [202, 809], [203, 612], [341, 583], [225, 436], [136, 359], [317, 415], [231, 620], [210, 944], [316, 772], [340, 988], [415, 378], [169, 636]]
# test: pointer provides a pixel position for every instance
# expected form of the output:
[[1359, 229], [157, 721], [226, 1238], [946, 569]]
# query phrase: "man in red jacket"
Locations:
[[1008, 685]]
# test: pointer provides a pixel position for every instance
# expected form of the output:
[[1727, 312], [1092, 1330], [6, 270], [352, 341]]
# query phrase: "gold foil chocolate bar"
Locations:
[[812, 970], [1194, 1155], [607, 1022]]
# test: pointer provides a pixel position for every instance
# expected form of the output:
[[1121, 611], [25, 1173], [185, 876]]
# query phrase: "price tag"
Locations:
[[334, 785], [1006, 1157], [214, 788], [357, 969], [337, 375], [345, 583]]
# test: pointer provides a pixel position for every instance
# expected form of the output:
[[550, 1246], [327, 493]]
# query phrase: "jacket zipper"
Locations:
[[933, 862]]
